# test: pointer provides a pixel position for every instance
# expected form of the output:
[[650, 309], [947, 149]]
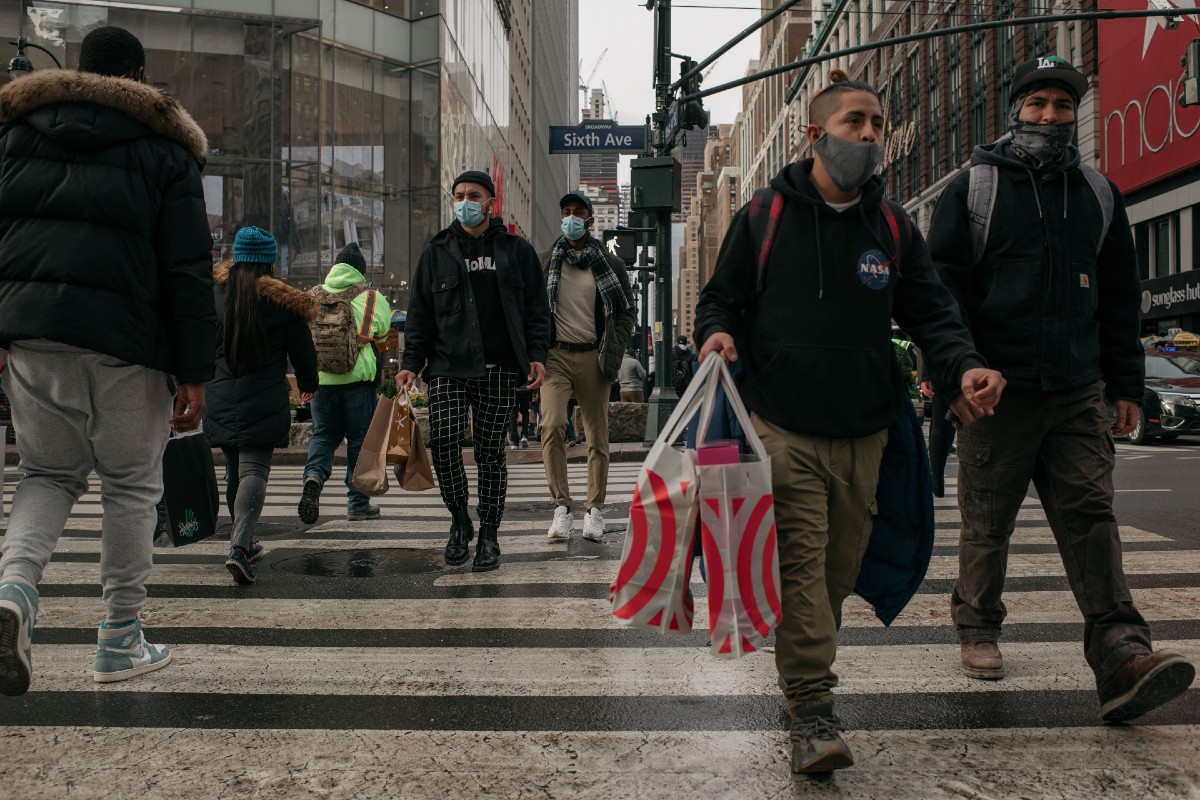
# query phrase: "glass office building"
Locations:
[[328, 121]]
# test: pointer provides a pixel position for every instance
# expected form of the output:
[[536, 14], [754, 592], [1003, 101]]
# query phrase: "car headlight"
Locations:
[[1178, 400]]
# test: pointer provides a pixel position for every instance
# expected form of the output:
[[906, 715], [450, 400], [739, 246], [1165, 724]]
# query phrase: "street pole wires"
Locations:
[[929, 34], [725, 48]]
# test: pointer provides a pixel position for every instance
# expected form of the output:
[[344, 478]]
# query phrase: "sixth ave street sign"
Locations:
[[597, 136]]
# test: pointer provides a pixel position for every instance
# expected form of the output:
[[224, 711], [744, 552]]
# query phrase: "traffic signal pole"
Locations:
[[662, 398]]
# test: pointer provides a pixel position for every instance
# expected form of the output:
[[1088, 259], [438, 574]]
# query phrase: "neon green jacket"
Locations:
[[340, 278]]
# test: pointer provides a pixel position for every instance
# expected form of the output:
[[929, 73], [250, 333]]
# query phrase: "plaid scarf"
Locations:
[[590, 257]]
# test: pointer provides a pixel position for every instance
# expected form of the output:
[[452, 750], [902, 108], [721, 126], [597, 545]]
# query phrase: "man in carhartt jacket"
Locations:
[[1052, 296], [478, 323], [105, 293], [593, 315]]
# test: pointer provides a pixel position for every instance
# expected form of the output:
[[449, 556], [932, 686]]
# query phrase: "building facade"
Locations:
[[598, 172], [332, 121]]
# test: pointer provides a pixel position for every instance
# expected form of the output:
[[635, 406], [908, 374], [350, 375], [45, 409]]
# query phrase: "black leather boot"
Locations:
[[487, 552], [458, 548]]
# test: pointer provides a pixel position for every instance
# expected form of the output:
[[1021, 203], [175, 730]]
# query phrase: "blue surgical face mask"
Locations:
[[574, 228], [469, 213]]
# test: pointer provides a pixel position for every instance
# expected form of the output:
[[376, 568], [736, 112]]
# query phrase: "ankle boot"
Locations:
[[487, 552], [458, 548]]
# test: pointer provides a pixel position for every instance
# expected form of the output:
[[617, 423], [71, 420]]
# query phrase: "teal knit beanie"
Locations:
[[254, 246]]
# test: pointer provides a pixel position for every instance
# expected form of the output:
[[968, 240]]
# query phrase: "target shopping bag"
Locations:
[[651, 588], [737, 523]]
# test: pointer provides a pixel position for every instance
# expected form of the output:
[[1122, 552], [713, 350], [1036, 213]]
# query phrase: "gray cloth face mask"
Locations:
[[1041, 146], [848, 164]]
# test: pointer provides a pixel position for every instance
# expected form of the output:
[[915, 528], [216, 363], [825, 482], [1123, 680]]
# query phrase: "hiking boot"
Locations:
[[1143, 683], [560, 526], [462, 531], [370, 512], [982, 661], [18, 612], [310, 501], [816, 743], [593, 525], [487, 551], [123, 653], [239, 566]]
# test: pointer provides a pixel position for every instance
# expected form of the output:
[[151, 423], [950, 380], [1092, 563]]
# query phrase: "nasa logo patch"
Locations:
[[874, 269]]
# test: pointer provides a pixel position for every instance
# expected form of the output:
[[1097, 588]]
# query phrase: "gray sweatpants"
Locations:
[[75, 411]]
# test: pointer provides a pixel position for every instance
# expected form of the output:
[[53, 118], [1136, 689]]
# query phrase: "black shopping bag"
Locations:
[[190, 489]]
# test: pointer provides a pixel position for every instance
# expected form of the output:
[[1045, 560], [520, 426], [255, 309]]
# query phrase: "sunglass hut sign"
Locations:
[[1173, 298], [1145, 134]]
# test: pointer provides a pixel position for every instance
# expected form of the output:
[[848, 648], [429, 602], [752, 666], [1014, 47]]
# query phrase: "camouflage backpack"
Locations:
[[335, 334]]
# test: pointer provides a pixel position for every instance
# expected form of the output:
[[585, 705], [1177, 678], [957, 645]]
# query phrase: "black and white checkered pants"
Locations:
[[490, 400]]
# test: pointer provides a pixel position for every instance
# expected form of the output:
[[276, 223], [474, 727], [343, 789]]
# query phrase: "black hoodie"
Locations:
[[1047, 311], [817, 341]]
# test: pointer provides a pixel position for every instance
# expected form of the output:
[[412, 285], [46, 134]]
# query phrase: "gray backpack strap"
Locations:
[[981, 199], [1104, 196]]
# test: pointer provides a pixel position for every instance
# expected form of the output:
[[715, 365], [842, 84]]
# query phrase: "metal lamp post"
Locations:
[[20, 65]]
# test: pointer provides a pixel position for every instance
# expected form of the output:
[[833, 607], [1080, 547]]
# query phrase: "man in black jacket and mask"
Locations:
[[835, 250], [1036, 247], [478, 322], [105, 293]]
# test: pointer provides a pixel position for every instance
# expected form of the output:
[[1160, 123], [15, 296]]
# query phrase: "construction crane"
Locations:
[[585, 86]]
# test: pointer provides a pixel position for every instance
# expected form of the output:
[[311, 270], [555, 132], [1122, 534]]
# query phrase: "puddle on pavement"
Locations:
[[377, 562]]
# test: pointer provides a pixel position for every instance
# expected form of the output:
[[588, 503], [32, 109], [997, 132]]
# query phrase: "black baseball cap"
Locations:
[[1049, 69], [578, 198]]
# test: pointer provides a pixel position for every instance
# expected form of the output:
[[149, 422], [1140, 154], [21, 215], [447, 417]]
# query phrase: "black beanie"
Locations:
[[475, 176], [350, 254]]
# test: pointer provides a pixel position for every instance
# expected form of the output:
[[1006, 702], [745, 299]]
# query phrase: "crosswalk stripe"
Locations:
[[581, 672], [570, 612]]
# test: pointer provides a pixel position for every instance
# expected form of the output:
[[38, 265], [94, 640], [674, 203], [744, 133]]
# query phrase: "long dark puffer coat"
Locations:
[[251, 409]]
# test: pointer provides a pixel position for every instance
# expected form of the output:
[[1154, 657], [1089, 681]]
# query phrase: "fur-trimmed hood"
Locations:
[[286, 297], [153, 108]]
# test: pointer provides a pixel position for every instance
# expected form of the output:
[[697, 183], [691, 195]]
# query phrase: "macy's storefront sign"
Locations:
[[1145, 134]]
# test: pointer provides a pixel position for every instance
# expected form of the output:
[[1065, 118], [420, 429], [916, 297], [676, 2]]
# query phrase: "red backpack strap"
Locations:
[[368, 320], [889, 216], [764, 253], [763, 228]]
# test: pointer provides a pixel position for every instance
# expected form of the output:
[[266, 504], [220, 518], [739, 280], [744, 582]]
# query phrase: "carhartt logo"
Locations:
[[190, 525], [1084, 281]]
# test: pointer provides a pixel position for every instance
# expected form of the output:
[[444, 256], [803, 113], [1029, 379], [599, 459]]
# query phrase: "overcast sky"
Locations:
[[626, 28]]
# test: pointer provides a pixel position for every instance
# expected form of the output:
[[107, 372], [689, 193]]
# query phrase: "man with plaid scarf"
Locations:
[[593, 316]]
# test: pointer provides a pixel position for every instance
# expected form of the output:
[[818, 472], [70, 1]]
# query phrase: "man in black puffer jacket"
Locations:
[[105, 293]]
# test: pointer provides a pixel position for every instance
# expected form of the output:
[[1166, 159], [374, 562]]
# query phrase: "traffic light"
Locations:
[[1191, 75], [692, 114]]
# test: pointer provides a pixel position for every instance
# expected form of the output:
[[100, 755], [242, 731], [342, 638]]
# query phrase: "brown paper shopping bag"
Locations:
[[371, 470], [417, 474], [400, 430]]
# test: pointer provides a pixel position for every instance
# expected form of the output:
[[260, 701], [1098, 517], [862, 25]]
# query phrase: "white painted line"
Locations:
[[566, 672], [925, 610], [1134, 491]]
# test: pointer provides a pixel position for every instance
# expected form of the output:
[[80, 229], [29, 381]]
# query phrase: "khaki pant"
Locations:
[[824, 500], [1058, 441], [632, 396], [575, 375]]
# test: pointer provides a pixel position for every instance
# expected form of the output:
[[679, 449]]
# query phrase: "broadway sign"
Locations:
[[1145, 134]]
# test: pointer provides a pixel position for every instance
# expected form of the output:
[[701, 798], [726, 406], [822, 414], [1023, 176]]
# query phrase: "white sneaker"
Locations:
[[560, 528], [524, 441], [593, 525]]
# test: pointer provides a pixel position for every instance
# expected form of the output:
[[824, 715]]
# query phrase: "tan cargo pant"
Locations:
[[577, 375], [824, 500]]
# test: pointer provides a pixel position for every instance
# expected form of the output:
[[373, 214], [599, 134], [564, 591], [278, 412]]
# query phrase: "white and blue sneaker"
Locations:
[[123, 653], [18, 611]]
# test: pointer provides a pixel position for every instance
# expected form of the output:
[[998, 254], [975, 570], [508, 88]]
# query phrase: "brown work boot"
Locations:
[[982, 660], [1143, 683], [816, 745]]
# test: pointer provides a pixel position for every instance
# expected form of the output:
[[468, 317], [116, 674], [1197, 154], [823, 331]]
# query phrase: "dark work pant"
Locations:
[[1060, 441], [490, 400], [941, 437]]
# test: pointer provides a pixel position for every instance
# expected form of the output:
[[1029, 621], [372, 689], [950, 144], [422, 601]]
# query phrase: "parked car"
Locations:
[[1172, 402]]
